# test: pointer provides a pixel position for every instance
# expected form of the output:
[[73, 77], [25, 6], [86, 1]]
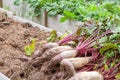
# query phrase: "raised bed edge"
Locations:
[[19, 19]]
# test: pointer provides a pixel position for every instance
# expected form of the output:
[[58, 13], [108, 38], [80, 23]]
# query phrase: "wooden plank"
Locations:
[[45, 19], [1, 3]]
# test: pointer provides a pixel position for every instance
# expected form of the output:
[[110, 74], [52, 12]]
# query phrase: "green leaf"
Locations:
[[114, 36], [69, 14], [112, 64], [119, 48], [116, 30], [63, 19], [53, 36], [63, 36], [30, 48], [52, 13], [117, 76], [17, 2], [109, 54], [28, 51], [108, 46], [106, 67], [103, 39]]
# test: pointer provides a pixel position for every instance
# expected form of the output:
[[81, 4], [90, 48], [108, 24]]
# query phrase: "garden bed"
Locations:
[[14, 35]]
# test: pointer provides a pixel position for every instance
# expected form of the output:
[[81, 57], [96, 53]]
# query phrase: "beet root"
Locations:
[[66, 54], [92, 75], [48, 54], [73, 63]]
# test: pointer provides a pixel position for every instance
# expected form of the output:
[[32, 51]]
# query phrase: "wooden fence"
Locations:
[[0, 3]]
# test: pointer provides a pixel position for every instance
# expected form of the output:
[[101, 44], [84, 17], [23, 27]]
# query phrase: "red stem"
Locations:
[[79, 44], [88, 43], [68, 39], [64, 39], [112, 69], [89, 38], [63, 42]]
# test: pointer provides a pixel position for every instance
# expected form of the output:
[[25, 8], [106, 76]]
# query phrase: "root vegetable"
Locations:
[[49, 45], [92, 75], [23, 58], [63, 55], [49, 54], [55, 51], [37, 53], [73, 63]]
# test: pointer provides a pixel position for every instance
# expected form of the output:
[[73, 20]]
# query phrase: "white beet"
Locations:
[[61, 48], [64, 55], [50, 45], [71, 64], [78, 61], [56, 50], [91, 75], [68, 54], [48, 54]]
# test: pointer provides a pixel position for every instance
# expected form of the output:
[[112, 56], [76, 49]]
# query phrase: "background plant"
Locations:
[[104, 12]]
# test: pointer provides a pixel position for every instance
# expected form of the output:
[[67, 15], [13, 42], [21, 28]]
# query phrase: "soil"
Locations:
[[13, 37]]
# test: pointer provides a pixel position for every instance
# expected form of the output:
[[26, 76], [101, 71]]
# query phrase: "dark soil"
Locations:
[[13, 37]]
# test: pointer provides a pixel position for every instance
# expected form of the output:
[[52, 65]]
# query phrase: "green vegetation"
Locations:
[[52, 37], [29, 49], [105, 11]]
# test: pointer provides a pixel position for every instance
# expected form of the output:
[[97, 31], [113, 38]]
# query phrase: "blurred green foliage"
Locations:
[[104, 11]]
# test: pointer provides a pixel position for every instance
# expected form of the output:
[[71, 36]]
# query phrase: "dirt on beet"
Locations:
[[13, 37]]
